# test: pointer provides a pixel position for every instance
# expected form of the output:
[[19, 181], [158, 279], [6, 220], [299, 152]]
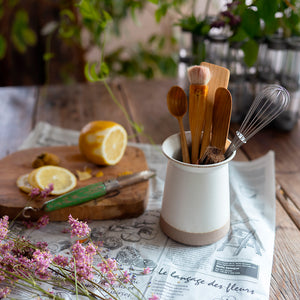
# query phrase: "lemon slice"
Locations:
[[23, 183], [31, 178], [103, 142], [63, 180]]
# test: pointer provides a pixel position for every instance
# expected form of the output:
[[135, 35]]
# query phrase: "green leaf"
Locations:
[[250, 49], [88, 10], [239, 36], [205, 29], [3, 47], [161, 42], [161, 12], [152, 38], [133, 9], [267, 9], [19, 44], [67, 32], [250, 22], [104, 69], [48, 56], [189, 23], [22, 34], [88, 75], [67, 13], [107, 17], [154, 1], [29, 36], [91, 73]]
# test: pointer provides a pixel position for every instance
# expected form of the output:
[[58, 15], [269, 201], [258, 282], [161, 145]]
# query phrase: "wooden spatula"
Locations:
[[221, 118], [219, 78]]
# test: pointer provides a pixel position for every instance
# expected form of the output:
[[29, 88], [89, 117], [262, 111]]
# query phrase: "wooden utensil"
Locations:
[[221, 118], [199, 77], [177, 105], [219, 78]]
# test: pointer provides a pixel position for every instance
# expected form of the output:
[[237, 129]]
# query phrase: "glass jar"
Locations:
[[290, 79], [271, 64], [238, 85], [184, 58], [217, 50]]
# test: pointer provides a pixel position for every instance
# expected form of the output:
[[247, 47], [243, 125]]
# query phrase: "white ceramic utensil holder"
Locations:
[[196, 201]]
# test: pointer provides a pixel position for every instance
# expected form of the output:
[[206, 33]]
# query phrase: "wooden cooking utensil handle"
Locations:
[[198, 94], [219, 78], [184, 146], [221, 118]]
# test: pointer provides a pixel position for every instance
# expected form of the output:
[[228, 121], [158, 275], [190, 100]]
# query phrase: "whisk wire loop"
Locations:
[[267, 105]]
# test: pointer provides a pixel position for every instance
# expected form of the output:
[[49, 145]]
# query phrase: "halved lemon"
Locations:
[[23, 183], [63, 180], [103, 142]]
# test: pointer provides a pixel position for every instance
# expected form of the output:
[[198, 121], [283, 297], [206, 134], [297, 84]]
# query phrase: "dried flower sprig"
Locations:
[[37, 194], [25, 266]]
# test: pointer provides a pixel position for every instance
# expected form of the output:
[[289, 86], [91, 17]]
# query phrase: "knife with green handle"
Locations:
[[91, 192]]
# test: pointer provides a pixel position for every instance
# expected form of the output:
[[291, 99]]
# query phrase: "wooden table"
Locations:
[[145, 101]]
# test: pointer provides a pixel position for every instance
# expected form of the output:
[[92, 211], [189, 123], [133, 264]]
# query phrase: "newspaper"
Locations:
[[236, 267]]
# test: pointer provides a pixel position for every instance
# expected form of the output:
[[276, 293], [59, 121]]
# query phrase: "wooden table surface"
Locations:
[[145, 101]]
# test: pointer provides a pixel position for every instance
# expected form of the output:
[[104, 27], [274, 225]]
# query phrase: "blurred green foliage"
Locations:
[[22, 36], [101, 18], [251, 21], [247, 22]]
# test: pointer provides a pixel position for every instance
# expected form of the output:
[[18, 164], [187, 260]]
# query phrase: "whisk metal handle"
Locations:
[[236, 143]]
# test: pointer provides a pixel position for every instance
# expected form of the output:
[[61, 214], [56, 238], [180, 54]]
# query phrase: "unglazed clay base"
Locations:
[[194, 239]]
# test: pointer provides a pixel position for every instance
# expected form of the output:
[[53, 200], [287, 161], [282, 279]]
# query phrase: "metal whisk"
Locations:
[[267, 105]]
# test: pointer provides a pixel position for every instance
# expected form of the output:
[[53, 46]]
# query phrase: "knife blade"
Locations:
[[95, 190]]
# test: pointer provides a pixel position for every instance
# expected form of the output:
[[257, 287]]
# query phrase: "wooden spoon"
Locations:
[[177, 105], [219, 78], [221, 118]]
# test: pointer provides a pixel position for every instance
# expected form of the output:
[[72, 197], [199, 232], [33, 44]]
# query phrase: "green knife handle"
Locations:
[[76, 197]]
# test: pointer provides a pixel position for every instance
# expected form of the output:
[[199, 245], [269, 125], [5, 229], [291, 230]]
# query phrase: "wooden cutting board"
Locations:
[[128, 202]]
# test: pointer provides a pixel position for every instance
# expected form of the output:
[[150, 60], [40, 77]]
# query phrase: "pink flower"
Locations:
[[42, 221], [42, 260], [146, 271], [111, 277], [34, 192], [60, 260], [25, 266], [154, 297], [4, 292], [79, 229], [126, 277], [3, 227], [28, 224], [46, 192], [42, 245], [90, 249], [83, 260], [108, 265]]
